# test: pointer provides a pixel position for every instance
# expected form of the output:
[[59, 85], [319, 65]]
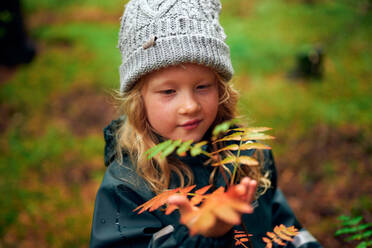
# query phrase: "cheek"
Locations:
[[158, 113], [212, 102]]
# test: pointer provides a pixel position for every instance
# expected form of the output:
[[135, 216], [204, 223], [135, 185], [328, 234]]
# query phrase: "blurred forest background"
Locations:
[[53, 110]]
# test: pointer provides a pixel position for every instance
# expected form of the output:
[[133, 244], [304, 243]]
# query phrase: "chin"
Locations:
[[195, 138]]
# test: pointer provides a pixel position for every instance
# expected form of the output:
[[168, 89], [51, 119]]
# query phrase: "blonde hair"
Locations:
[[136, 136]]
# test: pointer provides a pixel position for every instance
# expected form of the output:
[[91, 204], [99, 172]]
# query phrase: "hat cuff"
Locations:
[[173, 50]]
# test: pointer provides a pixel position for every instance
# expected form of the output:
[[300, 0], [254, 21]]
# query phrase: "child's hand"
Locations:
[[245, 191]]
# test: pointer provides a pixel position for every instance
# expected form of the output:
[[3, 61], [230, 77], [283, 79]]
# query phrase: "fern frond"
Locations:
[[280, 236], [354, 229]]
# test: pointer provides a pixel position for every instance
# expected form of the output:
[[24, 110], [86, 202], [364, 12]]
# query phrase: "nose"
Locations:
[[189, 105]]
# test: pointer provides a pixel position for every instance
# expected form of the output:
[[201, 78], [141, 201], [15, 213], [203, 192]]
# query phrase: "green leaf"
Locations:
[[158, 148], [353, 229], [223, 127], [367, 234], [184, 147], [364, 226], [365, 244], [362, 245], [344, 218], [351, 221], [168, 150], [197, 148], [346, 230], [360, 236]]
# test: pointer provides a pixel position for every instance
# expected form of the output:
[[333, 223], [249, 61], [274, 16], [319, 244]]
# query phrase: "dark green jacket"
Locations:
[[122, 190]]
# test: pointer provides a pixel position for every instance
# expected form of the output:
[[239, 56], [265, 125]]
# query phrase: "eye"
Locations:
[[203, 86], [167, 92]]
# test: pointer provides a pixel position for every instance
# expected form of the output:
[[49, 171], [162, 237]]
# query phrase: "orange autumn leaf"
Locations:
[[241, 237], [203, 190], [170, 209], [186, 190], [268, 242], [161, 199], [199, 195], [156, 202], [275, 238]]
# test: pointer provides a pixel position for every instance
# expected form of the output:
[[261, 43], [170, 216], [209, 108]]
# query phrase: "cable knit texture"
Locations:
[[159, 33]]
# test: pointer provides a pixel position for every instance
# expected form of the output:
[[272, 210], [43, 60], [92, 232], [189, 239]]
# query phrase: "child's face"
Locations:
[[181, 101]]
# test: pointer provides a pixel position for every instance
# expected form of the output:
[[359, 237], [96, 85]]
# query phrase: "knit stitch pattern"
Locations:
[[186, 31]]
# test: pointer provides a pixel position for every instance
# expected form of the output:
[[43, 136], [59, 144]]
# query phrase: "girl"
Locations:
[[174, 85]]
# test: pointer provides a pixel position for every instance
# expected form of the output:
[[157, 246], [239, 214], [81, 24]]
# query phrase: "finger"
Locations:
[[181, 202], [251, 190], [243, 187], [241, 190], [245, 181]]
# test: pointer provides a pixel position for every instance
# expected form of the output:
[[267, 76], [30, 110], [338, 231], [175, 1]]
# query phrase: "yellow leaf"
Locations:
[[247, 160], [257, 136], [252, 129], [249, 146], [231, 137], [232, 147], [227, 160]]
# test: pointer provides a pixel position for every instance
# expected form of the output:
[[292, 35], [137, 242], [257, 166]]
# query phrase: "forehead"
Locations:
[[187, 72]]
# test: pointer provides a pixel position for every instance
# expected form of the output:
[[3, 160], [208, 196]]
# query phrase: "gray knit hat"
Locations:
[[159, 33]]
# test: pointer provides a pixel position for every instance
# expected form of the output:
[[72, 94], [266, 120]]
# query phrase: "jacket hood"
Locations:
[[109, 133]]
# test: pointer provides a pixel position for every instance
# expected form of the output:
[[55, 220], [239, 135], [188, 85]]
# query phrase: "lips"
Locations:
[[191, 124]]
